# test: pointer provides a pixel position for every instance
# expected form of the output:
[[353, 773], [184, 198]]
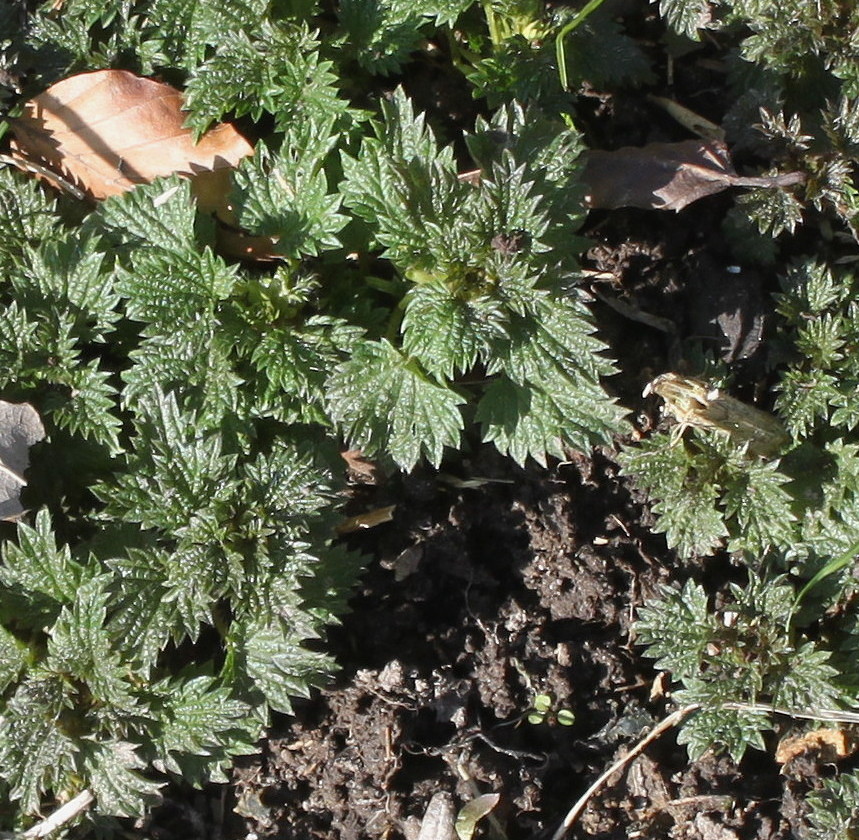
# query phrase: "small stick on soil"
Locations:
[[672, 720], [61, 816]]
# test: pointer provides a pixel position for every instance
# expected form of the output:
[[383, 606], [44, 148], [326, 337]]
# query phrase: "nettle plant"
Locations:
[[786, 500], [793, 83], [776, 489], [178, 568], [166, 603]]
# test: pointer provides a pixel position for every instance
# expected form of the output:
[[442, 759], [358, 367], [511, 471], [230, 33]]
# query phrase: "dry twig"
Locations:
[[669, 722], [60, 817]]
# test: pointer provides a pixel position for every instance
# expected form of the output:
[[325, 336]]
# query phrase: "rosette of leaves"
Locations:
[[736, 660], [485, 322]]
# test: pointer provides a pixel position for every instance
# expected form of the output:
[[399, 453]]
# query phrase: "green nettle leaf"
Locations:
[[175, 472], [285, 195], [834, 808], [278, 665], [734, 730], [112, 769], [199, 573], [773, 211], [804, 398], [174, 289], [686, 16], [677, 627], [685, 490], [197, 717], [36, 566], [36, 755], [809, 288], [691, 521], [527, 421], [18, 343], [296, 362], [760, 507], [143, 620], [508, 207], [28, 213], [182, 31], [408, 190], [381, 34], [160, 214], [68, 275], [195, 363], [448, 332], [276, 69], [445, 12], [80, 647], [13, 659], [88, 410], [384, 401]]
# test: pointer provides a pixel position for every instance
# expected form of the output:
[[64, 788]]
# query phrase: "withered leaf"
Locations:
[[20, 428], [438, 821], [666, 176], [829, 744], [109, 130]]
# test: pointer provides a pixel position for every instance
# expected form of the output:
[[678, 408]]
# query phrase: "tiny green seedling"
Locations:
[[542, 711]]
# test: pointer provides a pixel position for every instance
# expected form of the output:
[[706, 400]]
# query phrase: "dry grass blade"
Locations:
[[60, 817]]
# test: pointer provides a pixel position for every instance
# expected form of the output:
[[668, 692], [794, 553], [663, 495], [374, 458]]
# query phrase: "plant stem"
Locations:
[[591, 6]]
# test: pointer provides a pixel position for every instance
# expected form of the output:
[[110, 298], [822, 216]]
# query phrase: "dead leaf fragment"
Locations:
[[666, 176], [438, 821], [370, 519], [830, 744], [20, 428], [474, 811], [694, 403], [109, 130], [361, 469]]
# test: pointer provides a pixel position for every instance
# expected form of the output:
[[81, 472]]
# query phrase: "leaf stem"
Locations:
[[589, 7]]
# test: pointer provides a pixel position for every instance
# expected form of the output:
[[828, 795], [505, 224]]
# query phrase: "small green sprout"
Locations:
[[542, 711]]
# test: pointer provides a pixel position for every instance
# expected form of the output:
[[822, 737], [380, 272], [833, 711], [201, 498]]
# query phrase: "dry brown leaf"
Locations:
[[360, 467], [666, 176], [109, 130], [20, 428], [438, 821], [830, 744]]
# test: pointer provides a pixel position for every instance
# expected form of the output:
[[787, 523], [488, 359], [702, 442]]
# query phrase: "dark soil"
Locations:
[[495, 584], [475, 600]]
